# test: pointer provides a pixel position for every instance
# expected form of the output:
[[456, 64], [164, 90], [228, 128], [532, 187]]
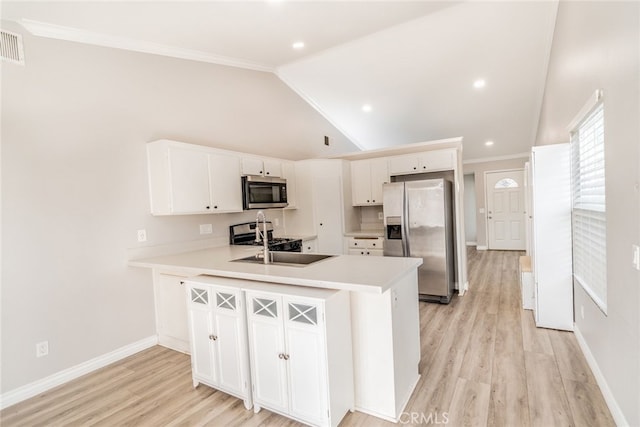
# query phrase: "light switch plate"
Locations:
[[206, 229], [636, 257], [142, 235]]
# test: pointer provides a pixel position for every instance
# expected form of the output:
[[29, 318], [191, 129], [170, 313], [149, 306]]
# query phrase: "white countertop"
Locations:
[[365, 233], [348, 272]]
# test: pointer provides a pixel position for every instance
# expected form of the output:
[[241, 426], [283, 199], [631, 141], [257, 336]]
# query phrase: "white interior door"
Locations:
[[505, 210]]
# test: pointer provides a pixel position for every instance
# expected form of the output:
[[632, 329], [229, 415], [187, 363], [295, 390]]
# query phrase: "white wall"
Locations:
[[597, 46], [75, 121], [470, 221]]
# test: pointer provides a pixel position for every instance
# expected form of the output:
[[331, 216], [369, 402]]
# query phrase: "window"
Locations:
[[589, 208], [506, 183]]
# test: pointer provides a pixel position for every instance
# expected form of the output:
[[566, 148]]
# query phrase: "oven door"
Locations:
[[264, 193]]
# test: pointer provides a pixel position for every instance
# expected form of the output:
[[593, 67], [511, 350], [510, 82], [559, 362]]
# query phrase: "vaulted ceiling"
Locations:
[[413, 64]]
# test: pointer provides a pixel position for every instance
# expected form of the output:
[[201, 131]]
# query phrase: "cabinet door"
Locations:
[[327, 195], [203, 338], [310, 246], [171, 312], [404, 164], [361, 182], [229, 344], [252, 166], [437, 160], [266, 337], [189, 170], [289, 173], [379, 176], [226, 183], [306, 361], [272, 168]]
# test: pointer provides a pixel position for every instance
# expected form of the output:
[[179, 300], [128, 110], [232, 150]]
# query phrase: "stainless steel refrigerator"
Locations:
[[418, 222]]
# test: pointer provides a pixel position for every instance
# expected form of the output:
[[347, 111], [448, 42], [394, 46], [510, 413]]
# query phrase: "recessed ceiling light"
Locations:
[[488, 143], [298, 45], [479, 84], [367, 108]]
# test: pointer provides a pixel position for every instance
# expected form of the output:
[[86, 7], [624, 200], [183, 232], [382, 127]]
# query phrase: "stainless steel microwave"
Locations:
[[263, 192]]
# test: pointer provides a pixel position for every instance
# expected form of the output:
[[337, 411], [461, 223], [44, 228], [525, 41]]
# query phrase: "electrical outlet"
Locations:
[[582, 312], [276, 222], [42, 348], [206, 229], [380, 217], [636, 256], [142, 235]]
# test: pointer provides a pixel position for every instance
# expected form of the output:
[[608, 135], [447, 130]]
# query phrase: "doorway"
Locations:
[[505, 209]]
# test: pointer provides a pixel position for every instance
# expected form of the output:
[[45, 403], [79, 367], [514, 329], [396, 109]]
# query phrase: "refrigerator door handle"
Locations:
[[405, 224]]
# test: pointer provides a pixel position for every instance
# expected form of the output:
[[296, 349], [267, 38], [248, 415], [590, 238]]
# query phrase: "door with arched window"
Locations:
[[505, 210]]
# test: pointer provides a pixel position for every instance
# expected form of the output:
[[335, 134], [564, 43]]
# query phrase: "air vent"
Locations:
[[11, 47]]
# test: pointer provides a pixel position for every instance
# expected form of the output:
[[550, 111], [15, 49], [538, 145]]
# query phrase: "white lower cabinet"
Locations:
[[310, 246], [300, 352], [217, 320], [171, 311], [367, 246]]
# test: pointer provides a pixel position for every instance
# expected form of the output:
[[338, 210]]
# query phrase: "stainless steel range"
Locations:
[[245, 234]]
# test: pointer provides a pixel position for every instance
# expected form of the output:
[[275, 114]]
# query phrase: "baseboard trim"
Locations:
[[481, 248], [32, 389], [616, 412]]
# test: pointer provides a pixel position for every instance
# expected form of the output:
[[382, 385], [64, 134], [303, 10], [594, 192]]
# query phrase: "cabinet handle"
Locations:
[[213, 337], [355, 244], [424, 167], [281, 356], [374, 244], [367, 201], [373, 201], [320, 224], [260, 171], [490, 217], [208, 207], [268, 173], [285, 356], [362, 253], [368, 253], [182, 282], [414, 168]]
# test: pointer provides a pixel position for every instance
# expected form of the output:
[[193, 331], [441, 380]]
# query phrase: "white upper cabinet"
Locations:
[[226, 187], [190, 179], [289, 173], [427, 161], [261, 167], [367, 178]]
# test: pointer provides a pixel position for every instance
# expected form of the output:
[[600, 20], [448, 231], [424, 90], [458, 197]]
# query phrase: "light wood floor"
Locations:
[[483, 363]]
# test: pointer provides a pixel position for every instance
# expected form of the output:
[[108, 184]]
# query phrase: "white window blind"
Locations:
[[589, 206]]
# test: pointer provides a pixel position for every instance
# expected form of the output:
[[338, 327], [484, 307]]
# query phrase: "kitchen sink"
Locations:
[[293, 259]]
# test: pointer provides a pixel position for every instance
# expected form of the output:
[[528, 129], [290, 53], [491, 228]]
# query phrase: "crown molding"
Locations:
[[495, 159], [43, 29]]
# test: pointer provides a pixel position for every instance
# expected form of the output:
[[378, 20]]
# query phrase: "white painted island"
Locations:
[[383, 294]]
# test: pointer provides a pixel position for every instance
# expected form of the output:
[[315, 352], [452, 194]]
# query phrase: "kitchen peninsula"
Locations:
[[383, 308]]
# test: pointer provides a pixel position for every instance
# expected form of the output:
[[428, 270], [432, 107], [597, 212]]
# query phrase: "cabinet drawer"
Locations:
[[366, 252], [365, 242]]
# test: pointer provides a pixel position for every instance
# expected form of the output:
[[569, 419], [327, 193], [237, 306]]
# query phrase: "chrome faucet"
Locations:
[[265, 237]]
